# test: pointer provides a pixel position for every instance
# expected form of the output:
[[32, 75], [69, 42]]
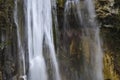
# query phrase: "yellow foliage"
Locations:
[[109, 72]]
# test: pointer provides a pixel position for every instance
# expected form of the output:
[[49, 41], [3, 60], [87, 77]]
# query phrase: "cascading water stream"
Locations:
[[38, 19], [39, 24], [84, 12]]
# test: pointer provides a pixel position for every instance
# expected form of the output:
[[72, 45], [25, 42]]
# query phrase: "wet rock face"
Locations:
[[8, 41], [109, 67], [108, 15], [111, 42]]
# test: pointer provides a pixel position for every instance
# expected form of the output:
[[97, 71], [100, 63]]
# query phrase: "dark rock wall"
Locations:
[[8, 41]]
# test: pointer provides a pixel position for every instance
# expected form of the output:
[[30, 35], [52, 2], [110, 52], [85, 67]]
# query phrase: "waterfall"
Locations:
[[38, 24], [21, 51], [84, 13], [41, 55]]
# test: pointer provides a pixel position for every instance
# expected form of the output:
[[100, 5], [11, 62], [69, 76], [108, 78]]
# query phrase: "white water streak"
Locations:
[[39, 24], [20, 47], [91, 46]]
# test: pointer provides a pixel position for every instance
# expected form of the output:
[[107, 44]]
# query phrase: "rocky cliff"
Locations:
[[108, 15], [8, 41]]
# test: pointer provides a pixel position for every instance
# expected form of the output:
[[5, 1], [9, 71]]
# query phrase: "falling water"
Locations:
[[39, 24], [38, 19], [21, 51], [84, 12]]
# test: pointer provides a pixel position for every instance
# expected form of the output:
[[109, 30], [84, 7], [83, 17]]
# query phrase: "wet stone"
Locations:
[[0, 75]]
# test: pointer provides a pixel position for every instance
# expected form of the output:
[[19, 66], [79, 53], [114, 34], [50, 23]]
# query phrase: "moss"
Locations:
[[4, 44], [61, 3], [7, 46]]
